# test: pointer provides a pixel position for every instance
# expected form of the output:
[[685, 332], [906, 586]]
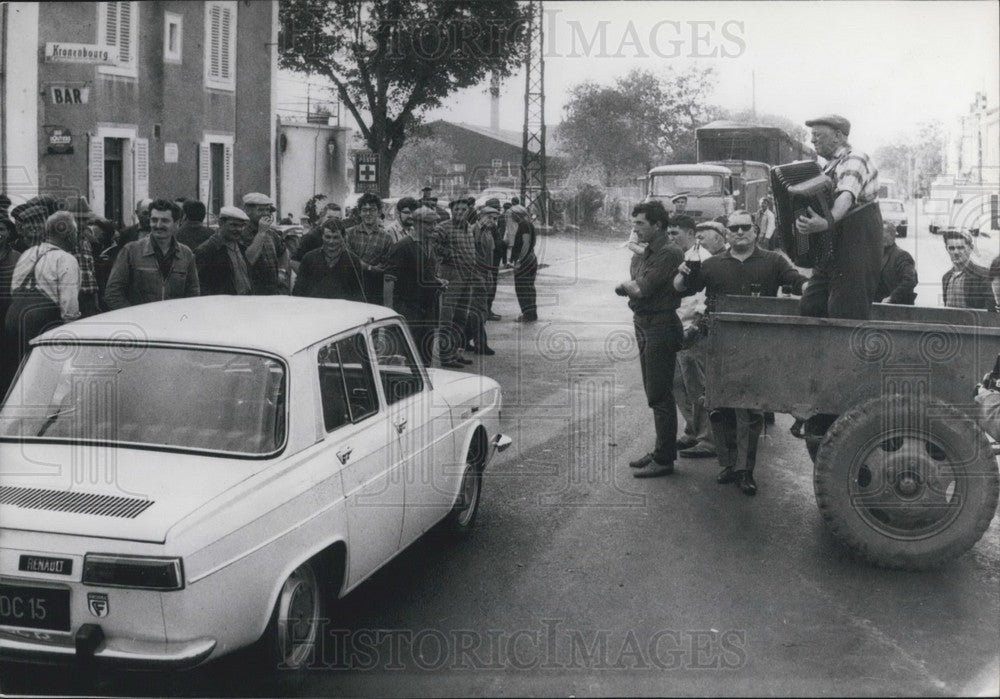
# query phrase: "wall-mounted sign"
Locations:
[[69, 94], [170, 152], [60, 141], [365, 172], [59, 52]]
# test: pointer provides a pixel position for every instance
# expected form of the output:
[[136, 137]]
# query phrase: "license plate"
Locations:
[[34, 607]]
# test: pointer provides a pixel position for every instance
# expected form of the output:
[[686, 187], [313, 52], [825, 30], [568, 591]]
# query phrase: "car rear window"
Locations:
[[189, 399]]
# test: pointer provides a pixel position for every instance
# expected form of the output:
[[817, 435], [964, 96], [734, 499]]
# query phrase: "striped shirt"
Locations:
[[853, 172], [456, 248]]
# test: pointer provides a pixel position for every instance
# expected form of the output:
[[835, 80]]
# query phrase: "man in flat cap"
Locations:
[[222, 264], [264, 247], [844, 287], [412, 281]]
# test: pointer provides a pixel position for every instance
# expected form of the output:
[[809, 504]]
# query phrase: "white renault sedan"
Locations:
[[182, 479]]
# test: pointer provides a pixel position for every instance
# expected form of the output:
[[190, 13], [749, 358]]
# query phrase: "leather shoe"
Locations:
[[746, 483], [686, 442], [464, 361], [641, 462], [727, 475], [796, 429], [698, 451], [452, 364], [493, 316], [654, 469], [488, 351], [525, 319]]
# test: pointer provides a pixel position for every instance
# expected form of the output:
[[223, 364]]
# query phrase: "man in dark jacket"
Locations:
[[222, 264], [899, 273], [193, 231], [332, 271], [966, 284]]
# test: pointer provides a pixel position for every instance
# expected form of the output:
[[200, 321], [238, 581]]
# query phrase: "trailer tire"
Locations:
[[906, 483]]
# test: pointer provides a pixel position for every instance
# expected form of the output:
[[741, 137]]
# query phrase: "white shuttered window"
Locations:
[[117, 26], [220, 45]]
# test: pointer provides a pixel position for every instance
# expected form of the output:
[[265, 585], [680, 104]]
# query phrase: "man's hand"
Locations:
[[629, 288], [811, 222], [620, 290]]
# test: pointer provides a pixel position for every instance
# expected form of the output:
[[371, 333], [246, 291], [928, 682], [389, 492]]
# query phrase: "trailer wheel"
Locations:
[[906, 483]]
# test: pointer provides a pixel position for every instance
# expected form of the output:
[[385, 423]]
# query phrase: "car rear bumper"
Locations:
[[89, 645]]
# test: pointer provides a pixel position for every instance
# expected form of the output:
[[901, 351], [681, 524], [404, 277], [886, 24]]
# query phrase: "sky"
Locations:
[[886, 66]]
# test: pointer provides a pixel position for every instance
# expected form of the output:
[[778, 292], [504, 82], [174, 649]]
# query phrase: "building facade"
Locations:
[[118, 101]]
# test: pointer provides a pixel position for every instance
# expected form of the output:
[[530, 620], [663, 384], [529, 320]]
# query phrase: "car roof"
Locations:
[[279, 324], [693, 168]]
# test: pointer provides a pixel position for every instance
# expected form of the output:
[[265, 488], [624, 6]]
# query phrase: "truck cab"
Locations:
[[710, 189]]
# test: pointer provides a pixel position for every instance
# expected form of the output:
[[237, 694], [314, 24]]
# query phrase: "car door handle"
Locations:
[[400, 425], [344, 454]]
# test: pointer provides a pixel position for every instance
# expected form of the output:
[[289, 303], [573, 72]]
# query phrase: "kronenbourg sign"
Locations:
[[59, 52]]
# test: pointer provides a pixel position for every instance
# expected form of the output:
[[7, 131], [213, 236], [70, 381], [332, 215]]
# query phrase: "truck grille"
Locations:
[[82, 503]]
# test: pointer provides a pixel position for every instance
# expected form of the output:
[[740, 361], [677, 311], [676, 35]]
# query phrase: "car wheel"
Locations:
[[906, 483], [463, 515], [293, 632]]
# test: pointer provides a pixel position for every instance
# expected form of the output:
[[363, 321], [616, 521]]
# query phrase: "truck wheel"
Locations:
[[292, 635], [906, 483]]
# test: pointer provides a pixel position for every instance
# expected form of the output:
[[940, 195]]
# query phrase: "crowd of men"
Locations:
[[439, 269], [680, 270]]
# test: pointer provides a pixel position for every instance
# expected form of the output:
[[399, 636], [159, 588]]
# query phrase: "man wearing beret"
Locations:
[[846, 286]]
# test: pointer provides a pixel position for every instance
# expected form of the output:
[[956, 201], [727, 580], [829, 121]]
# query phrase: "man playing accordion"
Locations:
[[845, 285]]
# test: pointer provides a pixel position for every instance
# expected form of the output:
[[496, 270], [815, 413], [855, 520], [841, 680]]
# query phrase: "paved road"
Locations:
[[581, 580]]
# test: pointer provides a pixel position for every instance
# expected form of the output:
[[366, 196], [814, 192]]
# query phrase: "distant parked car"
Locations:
[[504, 194], [182, 479], [894, 211]]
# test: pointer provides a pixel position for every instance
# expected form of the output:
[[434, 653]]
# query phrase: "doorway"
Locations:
[[114, 180]]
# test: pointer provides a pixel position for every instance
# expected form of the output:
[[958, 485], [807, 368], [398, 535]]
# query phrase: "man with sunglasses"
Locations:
[[743, 270]]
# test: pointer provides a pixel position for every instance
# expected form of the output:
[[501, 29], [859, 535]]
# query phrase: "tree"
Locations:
[[417, 160], [640, 121], [914, 162], [391, 60]]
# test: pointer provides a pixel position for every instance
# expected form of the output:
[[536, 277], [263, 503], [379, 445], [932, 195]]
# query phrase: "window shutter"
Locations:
[[215, 43], [97, 174], [228, 169], [141, 168], [124, 32], [111, 25], [225, 42], [204, 174]]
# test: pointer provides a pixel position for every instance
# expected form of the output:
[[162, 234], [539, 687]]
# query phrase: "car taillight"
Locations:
[[140, 572]]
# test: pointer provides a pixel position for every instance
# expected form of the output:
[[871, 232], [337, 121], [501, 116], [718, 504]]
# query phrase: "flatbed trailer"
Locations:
[[903, 473]]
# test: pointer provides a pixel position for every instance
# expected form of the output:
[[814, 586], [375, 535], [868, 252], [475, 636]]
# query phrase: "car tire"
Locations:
[[462, 517], [905, 483], [292, 638]]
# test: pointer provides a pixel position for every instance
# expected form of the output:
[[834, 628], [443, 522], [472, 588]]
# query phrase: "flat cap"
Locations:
[[426, 215], [494, 202], [233, 212], [489, 210], [834, 121], [257, 198], [712, 226]]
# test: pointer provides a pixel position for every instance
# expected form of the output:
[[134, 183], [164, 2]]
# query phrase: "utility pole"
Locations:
[[534, 194]]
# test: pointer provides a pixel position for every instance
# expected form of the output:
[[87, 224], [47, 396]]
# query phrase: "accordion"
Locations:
[[797, 187]]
